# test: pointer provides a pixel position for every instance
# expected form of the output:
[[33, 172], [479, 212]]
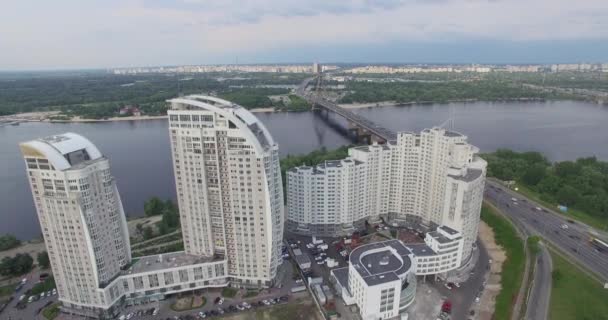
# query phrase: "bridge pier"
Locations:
[[362, 135]]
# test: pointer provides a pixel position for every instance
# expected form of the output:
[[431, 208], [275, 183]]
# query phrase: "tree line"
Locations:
[[99, 95], [581, 184], [417, 91]]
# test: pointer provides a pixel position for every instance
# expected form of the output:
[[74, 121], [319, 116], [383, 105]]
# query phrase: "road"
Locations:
[[31, 311], [356, 119], [463, 298], [570, 237], [540, 296]]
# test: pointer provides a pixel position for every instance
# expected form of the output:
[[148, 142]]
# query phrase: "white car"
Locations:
[[514, 199], [320, 262], [564, 226], [155, 312], [538, 209]]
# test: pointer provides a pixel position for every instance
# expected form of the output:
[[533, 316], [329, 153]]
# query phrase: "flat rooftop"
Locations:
[[448, 230], [166, 261], [382, 264], [421, 250]]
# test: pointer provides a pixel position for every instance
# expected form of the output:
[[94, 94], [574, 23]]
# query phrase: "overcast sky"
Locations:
[[41, 34]]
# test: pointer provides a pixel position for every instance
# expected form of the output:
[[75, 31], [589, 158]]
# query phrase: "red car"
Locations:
[[447, 306]]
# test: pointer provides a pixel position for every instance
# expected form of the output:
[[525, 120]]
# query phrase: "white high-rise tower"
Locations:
[[81, 217], [229, 188]]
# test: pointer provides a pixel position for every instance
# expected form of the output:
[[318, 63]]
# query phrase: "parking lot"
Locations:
[[28, 310]]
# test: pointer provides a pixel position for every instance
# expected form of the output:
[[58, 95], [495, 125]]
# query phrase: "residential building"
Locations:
[[428, 179], [229, 187], [380, 279], [80, 214], [231, 204]]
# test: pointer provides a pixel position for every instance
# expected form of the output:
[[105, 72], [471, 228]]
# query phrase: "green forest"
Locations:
[[580, 184], [406, 92], [97, 95]]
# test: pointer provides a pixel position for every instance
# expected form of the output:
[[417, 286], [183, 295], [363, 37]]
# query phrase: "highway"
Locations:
[[571, 237]]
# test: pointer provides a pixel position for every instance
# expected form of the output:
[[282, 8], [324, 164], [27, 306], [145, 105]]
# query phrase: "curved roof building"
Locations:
[[229, 188]]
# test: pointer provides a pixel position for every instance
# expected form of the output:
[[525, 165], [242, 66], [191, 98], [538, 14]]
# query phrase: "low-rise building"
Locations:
[[380, 279]]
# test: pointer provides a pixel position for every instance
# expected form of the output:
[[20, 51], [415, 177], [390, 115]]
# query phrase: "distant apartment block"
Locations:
[[426, 180]]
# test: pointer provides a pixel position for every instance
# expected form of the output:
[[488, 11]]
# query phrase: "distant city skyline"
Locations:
[[69, 34]]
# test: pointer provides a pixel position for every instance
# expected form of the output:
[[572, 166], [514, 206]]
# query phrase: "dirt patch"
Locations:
[[182, 304], [492, 288], [298, 309]]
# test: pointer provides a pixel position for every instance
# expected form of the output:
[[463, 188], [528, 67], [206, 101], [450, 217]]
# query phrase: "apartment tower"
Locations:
[[229, 188], [81, 217]]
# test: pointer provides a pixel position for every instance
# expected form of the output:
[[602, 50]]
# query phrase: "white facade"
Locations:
[[379, 279], [441, 252], [230, 197], [80, 214], [229, 189], [432, 178]]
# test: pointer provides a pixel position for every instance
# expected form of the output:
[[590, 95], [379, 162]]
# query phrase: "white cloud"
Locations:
[[129, 32]]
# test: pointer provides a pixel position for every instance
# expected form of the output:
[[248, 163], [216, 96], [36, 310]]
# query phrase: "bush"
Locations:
[[43, 259], [48, 284], [229, 292], [17, 265], [8, 241]]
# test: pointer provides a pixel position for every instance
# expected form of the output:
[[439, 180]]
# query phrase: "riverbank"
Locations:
[[52, 116]]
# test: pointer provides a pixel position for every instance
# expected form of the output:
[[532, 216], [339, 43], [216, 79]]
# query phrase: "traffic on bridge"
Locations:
[[358, 121]]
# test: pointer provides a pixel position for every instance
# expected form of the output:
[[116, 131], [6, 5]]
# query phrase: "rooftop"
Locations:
[[381, 262], [421, 249], [448, 230], [62, 151], [166, 261], [471, 175], [439, 237]]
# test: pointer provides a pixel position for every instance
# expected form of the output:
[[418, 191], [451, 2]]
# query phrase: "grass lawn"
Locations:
[[7, 290], [251, 293], [574, 295], [295, 310], [51, 311], [229, 292], [513, 267], [572, 213]]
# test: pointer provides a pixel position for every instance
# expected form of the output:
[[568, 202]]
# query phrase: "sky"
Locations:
[[72, 34]]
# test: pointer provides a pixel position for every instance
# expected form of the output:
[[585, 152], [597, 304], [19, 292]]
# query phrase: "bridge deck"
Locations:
[[356, 119]]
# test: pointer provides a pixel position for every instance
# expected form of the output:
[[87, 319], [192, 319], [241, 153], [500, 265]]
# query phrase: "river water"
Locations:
[[141, 159]]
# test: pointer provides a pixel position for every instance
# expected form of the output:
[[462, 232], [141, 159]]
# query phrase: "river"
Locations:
[[141, 160]]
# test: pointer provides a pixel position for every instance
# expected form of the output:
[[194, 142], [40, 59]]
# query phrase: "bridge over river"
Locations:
[[364, 129]]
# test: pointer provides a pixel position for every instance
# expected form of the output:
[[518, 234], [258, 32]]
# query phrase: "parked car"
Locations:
[[446, 307]]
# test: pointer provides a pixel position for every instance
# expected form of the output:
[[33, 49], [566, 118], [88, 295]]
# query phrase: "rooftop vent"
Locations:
[[384, 261]]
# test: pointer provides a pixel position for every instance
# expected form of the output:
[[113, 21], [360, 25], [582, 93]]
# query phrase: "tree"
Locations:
[[566, 168], [154, 206], [8, 241], [567, 195], [148, 233], [17, 265], [534, 174], [43, 259]]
